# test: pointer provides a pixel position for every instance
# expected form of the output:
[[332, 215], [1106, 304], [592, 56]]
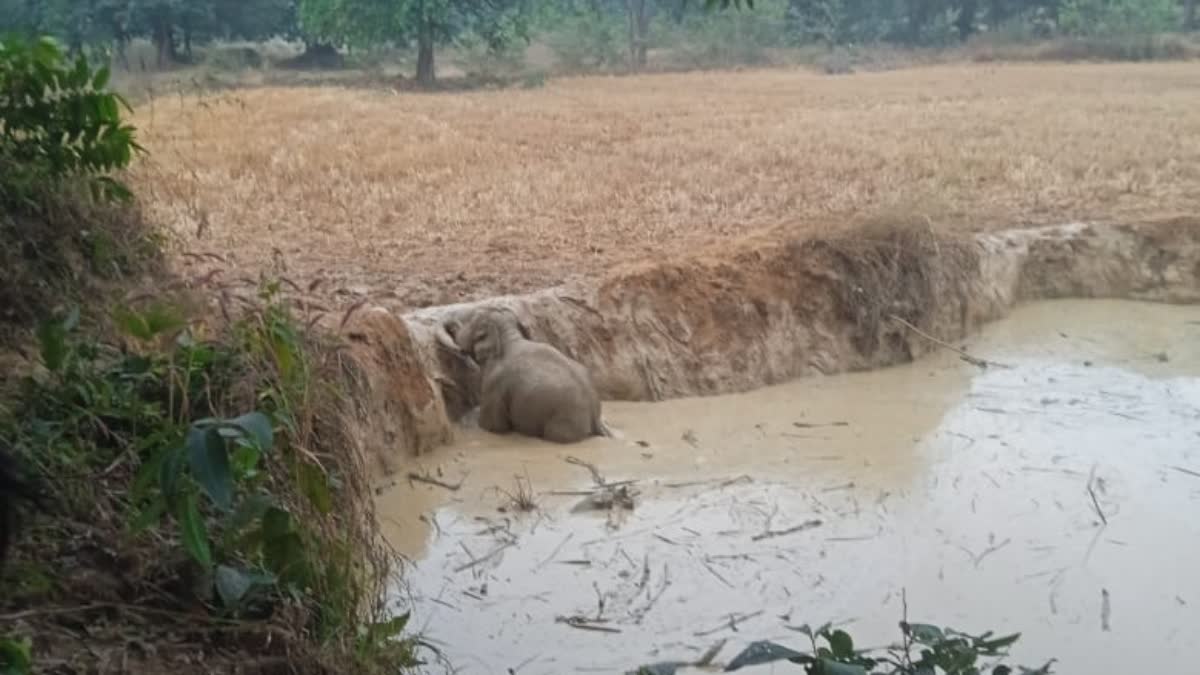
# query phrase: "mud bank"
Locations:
[[756, 315]]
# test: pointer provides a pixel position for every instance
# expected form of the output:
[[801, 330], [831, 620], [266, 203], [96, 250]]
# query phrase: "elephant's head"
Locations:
[[482, 333]]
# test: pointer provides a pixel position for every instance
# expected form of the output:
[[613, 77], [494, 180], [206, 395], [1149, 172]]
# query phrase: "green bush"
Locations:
[[730, 38], [588, 41], [58, 122], [1116, 17]]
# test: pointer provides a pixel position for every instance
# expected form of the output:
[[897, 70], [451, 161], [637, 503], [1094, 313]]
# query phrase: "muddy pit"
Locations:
[[823, 499]]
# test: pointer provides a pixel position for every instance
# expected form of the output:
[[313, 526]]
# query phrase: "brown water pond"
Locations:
[[968, 490]]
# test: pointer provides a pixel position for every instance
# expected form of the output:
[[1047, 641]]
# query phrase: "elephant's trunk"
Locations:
[[445, 339]]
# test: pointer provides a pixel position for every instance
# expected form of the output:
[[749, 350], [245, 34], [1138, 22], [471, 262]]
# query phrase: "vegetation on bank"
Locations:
[[201, 499]]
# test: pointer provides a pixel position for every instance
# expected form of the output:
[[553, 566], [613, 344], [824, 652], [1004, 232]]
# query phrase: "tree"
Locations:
[[428, 23]]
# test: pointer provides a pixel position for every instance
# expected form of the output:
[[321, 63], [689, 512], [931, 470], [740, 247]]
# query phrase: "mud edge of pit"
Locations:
[[765, 314]]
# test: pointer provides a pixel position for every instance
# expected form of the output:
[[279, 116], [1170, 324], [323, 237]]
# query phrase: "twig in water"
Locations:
[[1189, 472], [715, 573], [732, 624], [1095, 502], [597, 478], [653, 599], [806, 525], [973, 360], [422, 478], [835, 488], [584, 624], [1105, 610], [496, 551], [555, 551], [990, 550]]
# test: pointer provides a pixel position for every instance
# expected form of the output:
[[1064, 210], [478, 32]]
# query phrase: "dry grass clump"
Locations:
[[439, 198]]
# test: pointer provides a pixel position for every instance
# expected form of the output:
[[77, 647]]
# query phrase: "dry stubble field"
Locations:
[[430, 199]]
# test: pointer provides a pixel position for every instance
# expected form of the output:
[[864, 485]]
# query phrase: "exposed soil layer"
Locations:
[[769, 312]]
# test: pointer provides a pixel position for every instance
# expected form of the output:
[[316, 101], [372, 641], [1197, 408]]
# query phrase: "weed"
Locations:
[[521, 498]]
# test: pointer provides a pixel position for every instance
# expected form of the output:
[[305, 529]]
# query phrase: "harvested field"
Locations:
[[429, 199]]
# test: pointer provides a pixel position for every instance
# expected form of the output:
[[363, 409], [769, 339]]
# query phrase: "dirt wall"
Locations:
[[759, 314]]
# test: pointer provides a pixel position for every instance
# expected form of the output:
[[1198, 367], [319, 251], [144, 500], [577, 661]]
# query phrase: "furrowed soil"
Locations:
[[415, 200]]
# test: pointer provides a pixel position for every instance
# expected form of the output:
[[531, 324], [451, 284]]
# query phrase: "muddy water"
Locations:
[[825, 499]]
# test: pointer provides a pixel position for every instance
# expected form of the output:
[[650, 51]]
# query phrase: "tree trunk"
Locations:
[[966, 19], [639, 24], [643, 33], [1189, 15], [122, 51], [425, 71], [164, 43]]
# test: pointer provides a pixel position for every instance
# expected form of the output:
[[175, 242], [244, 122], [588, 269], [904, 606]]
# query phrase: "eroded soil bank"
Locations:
[[766, 312], [824, 498]]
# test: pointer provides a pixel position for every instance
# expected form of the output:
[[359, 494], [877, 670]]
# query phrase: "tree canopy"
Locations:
[[617, 30]]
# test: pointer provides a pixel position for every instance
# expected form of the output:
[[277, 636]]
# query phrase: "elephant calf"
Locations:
[[526, 386]]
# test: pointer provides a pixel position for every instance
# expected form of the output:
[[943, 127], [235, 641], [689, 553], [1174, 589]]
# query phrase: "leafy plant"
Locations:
[[926, 650], [15, 656], [58, 121]]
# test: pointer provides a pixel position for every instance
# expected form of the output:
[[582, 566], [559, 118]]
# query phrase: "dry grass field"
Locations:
[[439, 198]]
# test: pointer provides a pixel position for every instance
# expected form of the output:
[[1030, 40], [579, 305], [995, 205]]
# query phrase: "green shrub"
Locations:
[[209, 446], [588, 41], [730, 38], [58, 122], [1116, 17]]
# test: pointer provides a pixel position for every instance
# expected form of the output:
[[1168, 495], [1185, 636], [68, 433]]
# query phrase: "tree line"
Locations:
[[175, 26]]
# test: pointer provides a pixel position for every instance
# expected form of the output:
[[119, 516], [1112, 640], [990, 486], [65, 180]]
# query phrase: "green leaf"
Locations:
[[151, 514], [195, 534], [131, 323], [276, 523], [763, 652], [828, 667], [244, 460], [841, 644], [52, 343], [386, 630], [925, 633], [232, 585], [170, 470], [100, 80], [249, 510], [258, 427], [285, 557], [315, 487], [161, 317], [208, 458], [16, 656], [999, 643]]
